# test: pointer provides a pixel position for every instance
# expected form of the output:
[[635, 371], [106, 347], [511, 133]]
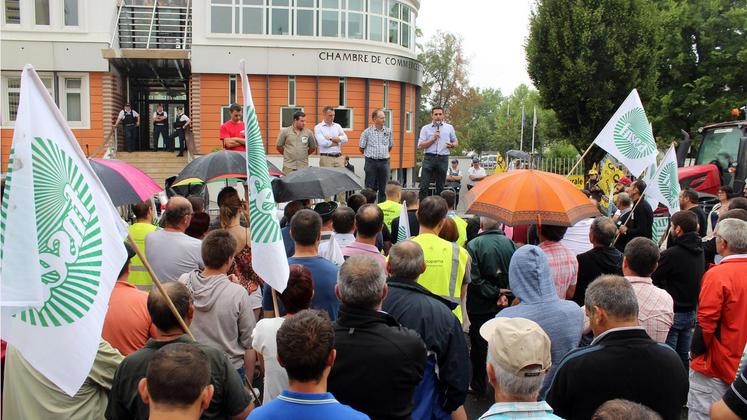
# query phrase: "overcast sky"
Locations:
[[494, 32]]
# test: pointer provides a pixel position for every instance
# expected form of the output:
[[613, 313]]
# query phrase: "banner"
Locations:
[[577, 180], [628, 136], [610, 174], [75, 251], [403, 231], [268, 253], [665, 186], [500, 164]]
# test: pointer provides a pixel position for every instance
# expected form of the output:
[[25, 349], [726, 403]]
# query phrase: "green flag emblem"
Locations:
[[632, 135], [669, 184]]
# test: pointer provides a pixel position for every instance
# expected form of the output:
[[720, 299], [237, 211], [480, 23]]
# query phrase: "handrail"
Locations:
[[152, 18], [116, 25], [137, 26], [186, 25]]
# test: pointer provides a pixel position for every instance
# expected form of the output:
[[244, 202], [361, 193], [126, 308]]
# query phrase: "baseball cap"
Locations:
[[518, 345], [624, 180], [325, 209]]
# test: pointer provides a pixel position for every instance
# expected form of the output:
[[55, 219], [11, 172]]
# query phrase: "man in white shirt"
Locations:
[[475, 173], [330, 137], [130, 119]]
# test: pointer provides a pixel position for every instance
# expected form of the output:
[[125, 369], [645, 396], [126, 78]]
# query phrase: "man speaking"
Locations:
[[436, 140]]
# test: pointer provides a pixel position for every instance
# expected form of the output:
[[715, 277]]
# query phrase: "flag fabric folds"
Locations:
[[628, 136], [70, 238], [665, 186], [268, 253], [403, 231]]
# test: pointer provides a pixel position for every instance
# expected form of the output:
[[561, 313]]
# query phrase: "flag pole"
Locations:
[[159, 286], [580, 160], [275, 302]]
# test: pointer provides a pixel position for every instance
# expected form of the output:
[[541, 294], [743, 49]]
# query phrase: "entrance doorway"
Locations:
[[170, 108]]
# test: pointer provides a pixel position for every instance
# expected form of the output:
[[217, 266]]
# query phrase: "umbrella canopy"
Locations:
[[313, 182], [125, 183], [224, 164], [527, 196]]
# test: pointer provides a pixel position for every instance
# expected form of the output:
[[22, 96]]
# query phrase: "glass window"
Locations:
[[252, 2], [393, 31], [280, 2], [41, 12], [388, 121], [394, 9], [74, 99], [71, 12], [356, 5], [330, 4], [405, 35], [291, 90], [12, 88], [385, 89], [12, 11], [251, 20], [286, 115], [220, 19], [376, 6], [305, 3], [408, 121], [356, 25], [232, 88], [280, 21], [344, 117], [375, 31], [406, 14], [330, 23], [342, 91], [305, 22]]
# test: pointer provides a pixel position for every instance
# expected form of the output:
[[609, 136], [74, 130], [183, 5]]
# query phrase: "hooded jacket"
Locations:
[[562, 320], [680, 270], [223, 315]]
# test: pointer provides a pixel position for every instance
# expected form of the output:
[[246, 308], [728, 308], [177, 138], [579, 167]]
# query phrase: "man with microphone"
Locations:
[[436, 140]]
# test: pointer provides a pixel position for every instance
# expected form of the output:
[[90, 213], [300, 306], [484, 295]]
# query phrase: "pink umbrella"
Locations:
[[125, 183]]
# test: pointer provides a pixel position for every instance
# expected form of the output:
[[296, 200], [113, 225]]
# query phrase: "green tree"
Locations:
[[445, 69], [703, 64], [585, 56]]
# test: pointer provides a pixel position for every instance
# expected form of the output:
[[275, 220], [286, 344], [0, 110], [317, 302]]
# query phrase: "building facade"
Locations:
[[354, 55]]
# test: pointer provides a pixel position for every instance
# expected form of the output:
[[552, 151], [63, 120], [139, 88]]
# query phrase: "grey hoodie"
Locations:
[[223, 315], [530, 280]]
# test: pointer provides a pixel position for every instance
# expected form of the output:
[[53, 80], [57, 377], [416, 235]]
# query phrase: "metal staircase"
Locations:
[[165, 24]]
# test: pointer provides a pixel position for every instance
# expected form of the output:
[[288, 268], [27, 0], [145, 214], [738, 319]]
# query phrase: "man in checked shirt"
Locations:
[[375, 144]]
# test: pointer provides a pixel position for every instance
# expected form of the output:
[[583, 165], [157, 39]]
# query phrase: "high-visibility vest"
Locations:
[[391, 210], [461, 225], [445, 265], [138, 275]]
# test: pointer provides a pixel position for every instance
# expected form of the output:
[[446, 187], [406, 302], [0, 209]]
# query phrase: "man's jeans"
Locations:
[[377, 174], [130, 132], [434, 169], [681, 335]]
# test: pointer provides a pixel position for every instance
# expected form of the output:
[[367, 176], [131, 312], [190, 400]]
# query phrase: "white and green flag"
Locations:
[[403, 231], [665, 186], [628, 136], [268, 253], [69, 239]]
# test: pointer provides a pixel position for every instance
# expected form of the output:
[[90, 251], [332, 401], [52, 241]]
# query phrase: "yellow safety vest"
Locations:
[[445, 265], [461, 225], [391, 210], [138, 275]]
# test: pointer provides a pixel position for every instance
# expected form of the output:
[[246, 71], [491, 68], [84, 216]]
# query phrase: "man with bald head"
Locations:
[[170, 251], [230, 399], [446, 375]]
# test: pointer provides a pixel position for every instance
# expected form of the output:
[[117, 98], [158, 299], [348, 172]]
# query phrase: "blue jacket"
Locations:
[[414, 307], [563, 320]]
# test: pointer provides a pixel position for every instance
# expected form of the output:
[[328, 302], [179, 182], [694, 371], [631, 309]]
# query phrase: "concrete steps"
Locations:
[[158, 165]]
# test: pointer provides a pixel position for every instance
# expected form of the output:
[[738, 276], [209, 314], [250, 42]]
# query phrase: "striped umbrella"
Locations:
[[125, 183]]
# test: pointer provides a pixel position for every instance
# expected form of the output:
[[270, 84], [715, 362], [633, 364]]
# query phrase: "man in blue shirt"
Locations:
[[436, 140], [306, 350], [305, 229]]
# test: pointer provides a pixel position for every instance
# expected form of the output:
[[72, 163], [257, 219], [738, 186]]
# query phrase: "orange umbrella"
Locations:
[[526, 196]]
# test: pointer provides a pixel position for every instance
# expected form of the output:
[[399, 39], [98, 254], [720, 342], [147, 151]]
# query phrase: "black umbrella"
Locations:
[[313, 182], [223, 164]]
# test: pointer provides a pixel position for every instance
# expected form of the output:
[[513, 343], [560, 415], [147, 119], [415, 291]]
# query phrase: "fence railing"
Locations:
[[156, 26]]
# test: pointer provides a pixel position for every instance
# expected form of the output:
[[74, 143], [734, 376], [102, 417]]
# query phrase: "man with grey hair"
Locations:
[[720, 334], [518, 359], [170, 251], [379, 363], [622, 361], [444, 386], [491, 253], [602, 259]]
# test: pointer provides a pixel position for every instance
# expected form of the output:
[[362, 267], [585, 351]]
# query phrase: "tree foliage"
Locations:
[[445, 70], [585, 56]]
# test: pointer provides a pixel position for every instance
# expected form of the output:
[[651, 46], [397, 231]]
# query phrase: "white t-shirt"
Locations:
[[122, 114], [476, 172], [264, 342]]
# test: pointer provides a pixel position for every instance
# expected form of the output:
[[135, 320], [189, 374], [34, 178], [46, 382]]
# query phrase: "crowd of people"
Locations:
[[371, 325]]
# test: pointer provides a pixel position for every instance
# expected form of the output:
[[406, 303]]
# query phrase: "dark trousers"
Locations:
[[434, 169], [377, 174], [680, 335], [160, 131], [130, 132], [478, 352], [179, 132]]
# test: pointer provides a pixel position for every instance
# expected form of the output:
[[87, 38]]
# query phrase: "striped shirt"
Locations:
[[376, 143], [563, 266], [655, 308]]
